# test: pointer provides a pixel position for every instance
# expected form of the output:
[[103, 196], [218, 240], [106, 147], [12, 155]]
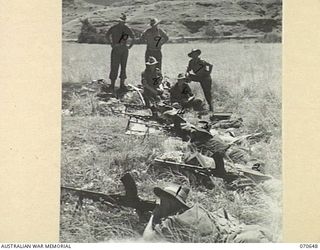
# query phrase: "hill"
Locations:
[[185, 18]]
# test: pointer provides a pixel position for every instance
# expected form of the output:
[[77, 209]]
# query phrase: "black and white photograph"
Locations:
[[171, 121]]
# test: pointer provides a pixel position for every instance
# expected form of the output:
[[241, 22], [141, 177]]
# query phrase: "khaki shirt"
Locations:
[[155, 38], [181, 93], [198, 225], [151, 80], [119, 34], [199, 67]]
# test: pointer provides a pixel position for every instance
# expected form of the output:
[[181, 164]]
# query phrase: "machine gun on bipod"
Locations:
[[196, 174], [130, 199]]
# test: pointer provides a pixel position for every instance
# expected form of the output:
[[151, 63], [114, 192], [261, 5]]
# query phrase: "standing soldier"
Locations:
[[119, 54], [155, 37], [200, 71]]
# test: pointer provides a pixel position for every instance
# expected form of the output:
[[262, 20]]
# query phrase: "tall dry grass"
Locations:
[[95, 150], [247, 80]]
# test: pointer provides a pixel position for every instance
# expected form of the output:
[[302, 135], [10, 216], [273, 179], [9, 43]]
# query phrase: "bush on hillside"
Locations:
[[210, 30], [270, 38], [90, 34]]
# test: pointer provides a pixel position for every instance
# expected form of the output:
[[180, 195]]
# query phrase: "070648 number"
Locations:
[[308, 245]]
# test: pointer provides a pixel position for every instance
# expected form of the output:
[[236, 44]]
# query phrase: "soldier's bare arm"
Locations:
[[188, 67], [143, 36], [164, 36], [210, 68], [131, 35], [108, 34]]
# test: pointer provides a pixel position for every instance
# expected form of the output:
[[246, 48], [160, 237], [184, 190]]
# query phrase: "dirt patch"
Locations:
[[208, 4], [194, 26], [264, 25]]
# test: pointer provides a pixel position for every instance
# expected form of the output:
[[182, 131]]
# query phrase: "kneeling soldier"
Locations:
[[181, 93], [151, 79]]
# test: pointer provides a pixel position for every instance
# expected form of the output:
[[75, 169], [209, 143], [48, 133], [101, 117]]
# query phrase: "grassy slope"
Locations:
[[95, 150], [187, 18], [235, 65]]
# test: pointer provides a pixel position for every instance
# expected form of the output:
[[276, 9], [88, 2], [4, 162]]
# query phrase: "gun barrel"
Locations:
[[129, 200], [172, 164]]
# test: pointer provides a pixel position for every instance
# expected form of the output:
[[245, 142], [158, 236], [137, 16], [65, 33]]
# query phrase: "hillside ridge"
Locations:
[[179, 18]]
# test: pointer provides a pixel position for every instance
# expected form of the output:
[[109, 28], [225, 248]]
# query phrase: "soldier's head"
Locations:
[[172, 200], [181, 78], [151, 63], [195, 53], [154, 22], [122, 19]]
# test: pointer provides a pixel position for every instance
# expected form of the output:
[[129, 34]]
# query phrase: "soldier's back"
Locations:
[[200, 225]]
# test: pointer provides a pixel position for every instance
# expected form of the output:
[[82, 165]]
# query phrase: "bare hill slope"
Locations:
[[179, 18]]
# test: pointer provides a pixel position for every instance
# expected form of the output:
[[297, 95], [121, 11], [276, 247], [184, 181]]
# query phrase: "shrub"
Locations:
[[210, 30], [270, 38]]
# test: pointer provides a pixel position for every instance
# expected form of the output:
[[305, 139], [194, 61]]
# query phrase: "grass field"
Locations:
[[235, 65], [95, 150]]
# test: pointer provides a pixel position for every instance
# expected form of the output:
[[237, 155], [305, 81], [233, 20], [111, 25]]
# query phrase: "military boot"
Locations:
[[108, 88], [123, 88], [111, 87]]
